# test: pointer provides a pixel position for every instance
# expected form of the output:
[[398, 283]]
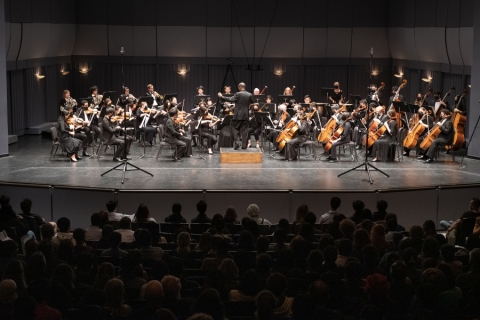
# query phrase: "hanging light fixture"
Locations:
[[399, 74], [65, 69], [39, 74], [279, 69], [428, 77], [84, 67], [182, 68]]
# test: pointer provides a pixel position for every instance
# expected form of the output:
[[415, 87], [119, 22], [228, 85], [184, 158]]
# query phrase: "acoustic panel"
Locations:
[[21, 11], [15, 40], [410, 44], [365, 38], [242, 42], [315, 43], [91, 40], [410, 14], [466, 45], [453, 46], [219, 41], [62, 40], [7, 37], [275, 46], [453, 13], [192, 42], [41, 11], [144, 13], [430, 44], [397, 43], [35, 41], [396, 14], [339, 42], [425, 13], [120, 36], [144, 41]]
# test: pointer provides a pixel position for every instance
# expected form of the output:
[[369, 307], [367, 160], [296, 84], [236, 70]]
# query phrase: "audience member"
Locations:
[[142, 215], [202, 215], [9, 218], [63, 225], [253, 212], [114, 251], [112, 211], [176, 216], [26, 207], [231, 216], [114, 292], [379, 215], [125, 229], [94, 232], [328, 217]]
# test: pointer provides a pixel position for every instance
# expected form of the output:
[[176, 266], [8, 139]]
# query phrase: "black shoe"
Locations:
[[406, 153], [236, 146], [358, 147], [328, 158], [423, 157], [428, 161], [117, 159], [151, 143], [447, 151], [85, 154], [332, 160]]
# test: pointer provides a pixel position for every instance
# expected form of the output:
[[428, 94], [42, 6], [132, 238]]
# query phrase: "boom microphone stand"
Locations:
[[366, 165], [124, 164]]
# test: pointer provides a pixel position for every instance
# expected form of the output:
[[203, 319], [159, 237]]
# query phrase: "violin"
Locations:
[[91, 110], [151, 110]]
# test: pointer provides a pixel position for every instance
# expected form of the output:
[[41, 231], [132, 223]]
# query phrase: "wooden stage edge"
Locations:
[[229, 155]]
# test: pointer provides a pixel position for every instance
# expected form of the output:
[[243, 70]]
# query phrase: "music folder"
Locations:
[[285, 99]]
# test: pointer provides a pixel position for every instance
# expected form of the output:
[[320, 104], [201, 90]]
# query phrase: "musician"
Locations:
[[68, 142], [87, 115], [268, 98], [161, 116], [444, 138], [282, 117], [154, 94], [337, 95], [288, 92], [145, 118], [176, 136], [437, 104], [67, 101], [242, 100], [111, 136], [120, 115], [254, 128], [381, 148], [227, 90], [200, 90], [418, 100], [256, 92], [459, 106], [292, 145], [427, 121], [344, 137], [96, 98], [307, 99], [206, 125], [107, 103], [394, 92], [361, 121]]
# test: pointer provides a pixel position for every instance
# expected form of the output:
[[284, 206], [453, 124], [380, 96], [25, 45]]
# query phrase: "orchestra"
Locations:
[[232, 121]]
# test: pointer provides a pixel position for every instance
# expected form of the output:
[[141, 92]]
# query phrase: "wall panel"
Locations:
[[120, 36], [62, 40], [365, 38], [466, 45], [430, 44], [15, 40], [453, 46], [191, 45], [17, 98], [339, 42], [144, 41], [36, 39], [87, 44], [315, 43]]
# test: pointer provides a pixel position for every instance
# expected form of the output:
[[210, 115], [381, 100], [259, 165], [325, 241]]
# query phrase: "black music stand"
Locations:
[[305, 105], [259, 117], [291, 112], [265, 118], [197, 99], [401, 106], [169, 96], [107, 94], [355, 98], [285, 99], [147, 99], [259, 98], [124, 164], [269, 107], [326, 92]]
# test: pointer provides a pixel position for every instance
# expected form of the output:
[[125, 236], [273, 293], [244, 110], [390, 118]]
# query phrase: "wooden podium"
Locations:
[[249, 155]]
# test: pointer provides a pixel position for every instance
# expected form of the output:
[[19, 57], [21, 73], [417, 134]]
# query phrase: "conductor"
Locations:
[[242, 100]]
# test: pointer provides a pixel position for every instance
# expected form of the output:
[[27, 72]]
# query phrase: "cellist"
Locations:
[[444, 138], [292, 145], [427, 121], [279, 121], [381, 148], [343, 139]]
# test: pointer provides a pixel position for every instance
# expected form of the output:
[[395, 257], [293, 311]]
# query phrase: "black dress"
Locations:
[[292, 145], [382, 147], [69, 144], [146, 125], [336, 96], [225, 138]]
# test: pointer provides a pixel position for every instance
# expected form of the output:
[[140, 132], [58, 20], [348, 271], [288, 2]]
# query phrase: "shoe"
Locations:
[[328, 158], [117, 159], [358, 147], [447, 151], [210, 152], [275, 149], [73, 160], [257, 146], [374, 160], [249, 145], [332, 160], [151, 143], [422, 157], [428, 161], [244, 148], [236, 146], [85, 154], [406, 153]]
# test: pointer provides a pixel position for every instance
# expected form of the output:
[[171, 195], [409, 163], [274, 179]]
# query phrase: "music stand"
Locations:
[[147, 99], [285, 99], [259, 118], [268, 107], [197, 99], [265, 118], [305, 105], [355, 98], [259, 98], [169, 96], [326, 92], [107, 94], [291, 112]]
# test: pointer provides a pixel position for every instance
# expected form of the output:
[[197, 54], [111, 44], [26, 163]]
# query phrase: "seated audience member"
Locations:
[[311, 218], [152, 293], [125, 229], [26, 207], [146, 250], [231, 216], [112, 211], [114, 293], [176, 216], [253, 212], [130, 265], [104, 242], [9, 218], [277, 284], [473, 212], [202, 215], [114, 251], [63, 225], [80, 246], [94, 232], [358, 206], [248, 287], [379, 215], [327, 218], [279, 237], [142, 215], [38, 289]]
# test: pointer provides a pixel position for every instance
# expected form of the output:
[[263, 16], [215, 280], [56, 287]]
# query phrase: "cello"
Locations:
[[291, 130], [459, 120], [432, 135], [329, 127], [414, 133], [338, 133]]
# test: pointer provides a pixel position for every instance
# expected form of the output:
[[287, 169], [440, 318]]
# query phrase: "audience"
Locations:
[[26, 207], [355, 268], [112, 211], [142, 215]]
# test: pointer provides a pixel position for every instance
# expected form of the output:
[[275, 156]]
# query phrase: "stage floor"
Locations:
[[28, 163]]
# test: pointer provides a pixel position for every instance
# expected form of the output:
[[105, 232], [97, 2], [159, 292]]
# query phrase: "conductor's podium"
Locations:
[[249, 155]]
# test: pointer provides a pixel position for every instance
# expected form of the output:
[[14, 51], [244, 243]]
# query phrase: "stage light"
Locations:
[[64, 69], [182, 68], [429, 79], [398, 75], [84, 67], [39, 74], [279, 69]]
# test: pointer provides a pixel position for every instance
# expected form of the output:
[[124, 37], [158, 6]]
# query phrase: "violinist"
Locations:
[[76, 124], [381, 148], [107, 103], [87, 114], [161, 116], [111, 134], [68, 142], [225, 139], [337, 95], [227, 90], [154, 94], [344, 138], [444, 138], [279, 121], [207, 121], [394, 92], [175, 135], [374, 94], [200, 93], [427, 121], [292, 145], [145, 118], [254, 128]]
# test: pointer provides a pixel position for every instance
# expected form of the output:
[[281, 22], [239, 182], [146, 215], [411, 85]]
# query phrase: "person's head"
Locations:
[[200, 90], [430, 248], [173, 112], [246, 240], [429, 228], [336, 85], [152, 292], [370, 254], [79, 236], [315, 260], [330, 254], [8, 291], [358, 206], [63, 224], [115, 239], [253, 211], [145, 238], [445, 113], [184, 240], [107, 230], [109, 112], [176, 208], [111, 206], [325, 240], [66, 94], [307, 99], [382, 205], [302, 211], [256, 91], [345, 247], [266, 303], [474, 204], [277, 284], [94, 90], [361, 238], [303, 306], [230, 215], [125, 223], [150, 87], [249, 283], [448, 253], [377, 286], [4, 200], [114, 291], [26, 206], [347, 227], [201, 207], [262, 244], [264, 264], [209, 302], [47, 231], [219, 225], [391, 114], [227, 89], [96, 219], [311, 218], [335, 203], [171, 287], [142, 214]]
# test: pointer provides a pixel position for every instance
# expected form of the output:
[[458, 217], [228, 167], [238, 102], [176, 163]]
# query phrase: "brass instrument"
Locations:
[[97, 100], [157, 95]]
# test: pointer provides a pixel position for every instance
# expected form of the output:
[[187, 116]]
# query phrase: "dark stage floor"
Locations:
[[28, 163]]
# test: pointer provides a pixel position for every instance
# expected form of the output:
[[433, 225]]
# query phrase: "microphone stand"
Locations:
[[367, 165], [124, 164]]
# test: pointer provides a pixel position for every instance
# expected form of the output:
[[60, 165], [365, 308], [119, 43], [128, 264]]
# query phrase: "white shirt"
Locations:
[[62, 236], [259, 220], [327, 217], [135, 219], [114, 216], [154, 100], [127, 235], [93, 233]]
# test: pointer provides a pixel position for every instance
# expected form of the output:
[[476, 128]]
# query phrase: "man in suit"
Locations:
[[110, 136], [174, 135], [242, 100], [445, 137], [152, 93]]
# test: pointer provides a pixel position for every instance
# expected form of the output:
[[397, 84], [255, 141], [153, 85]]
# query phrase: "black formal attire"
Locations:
[[292, 145], [432, 104], [243, 100], [427, 121], [161, 119], [156, 100], [225, 139], [272, 136], [344, 138], [172, 135], [460, 106], [124, 100], [336, 96], [110, 132], [382, 147], [205, 131], [400, 97], [254, 128], [69, 144], [445, 137], [144, 121], [88, 129]]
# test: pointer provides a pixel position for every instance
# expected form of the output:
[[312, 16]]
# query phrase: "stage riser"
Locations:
[[240, 156], [411, 206]]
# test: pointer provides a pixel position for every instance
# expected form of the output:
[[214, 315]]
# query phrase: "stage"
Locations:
[[28, 163]]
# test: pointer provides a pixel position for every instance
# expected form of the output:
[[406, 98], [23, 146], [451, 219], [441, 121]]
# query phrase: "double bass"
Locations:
[[398, 115], [459, 120]]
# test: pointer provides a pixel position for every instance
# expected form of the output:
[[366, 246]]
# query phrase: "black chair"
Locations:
[[153, 227], [164, 143], [104, 143], [241, 308], [55, 141], [199, 228], [234, 228], [171, 227], [313, 150], [264, 229]]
